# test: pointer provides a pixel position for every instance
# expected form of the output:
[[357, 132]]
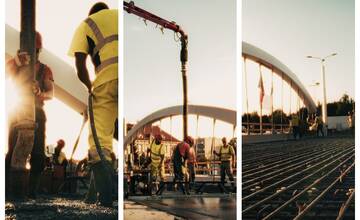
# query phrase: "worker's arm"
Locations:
[[49, 90], [12, 65], [162, 157], [216, 153], [232, 156], [82, 72]]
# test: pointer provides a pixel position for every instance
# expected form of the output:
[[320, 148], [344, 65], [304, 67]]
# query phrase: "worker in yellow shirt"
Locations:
[[227, 157], [157, 155], [295, 124], [97, 36]]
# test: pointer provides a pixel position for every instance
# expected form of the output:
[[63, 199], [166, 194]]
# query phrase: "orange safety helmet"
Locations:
[[38, 40], [189, 140], [61, 142], [158, 137]]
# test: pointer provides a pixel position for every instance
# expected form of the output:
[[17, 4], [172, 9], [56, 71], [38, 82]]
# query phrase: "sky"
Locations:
[[290, 30], [152, 77], [57, 21]]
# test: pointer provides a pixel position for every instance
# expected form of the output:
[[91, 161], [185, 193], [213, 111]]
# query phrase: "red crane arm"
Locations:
[[132, 9]]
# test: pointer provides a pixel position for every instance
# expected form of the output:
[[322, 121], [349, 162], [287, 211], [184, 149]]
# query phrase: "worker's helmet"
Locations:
[[61, 143], [38, 40], [158, 137], [98, 7], [189, 140]]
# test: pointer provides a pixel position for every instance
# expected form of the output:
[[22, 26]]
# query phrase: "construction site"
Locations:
[[180, 158]]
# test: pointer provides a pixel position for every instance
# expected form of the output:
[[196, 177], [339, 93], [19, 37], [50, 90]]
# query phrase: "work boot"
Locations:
[[103, 183], [34, 182], [90, 197]]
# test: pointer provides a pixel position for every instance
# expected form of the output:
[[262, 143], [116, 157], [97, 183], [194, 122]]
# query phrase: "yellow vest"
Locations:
[[226, 153], [157, 150], [102, 28], [295, 121]]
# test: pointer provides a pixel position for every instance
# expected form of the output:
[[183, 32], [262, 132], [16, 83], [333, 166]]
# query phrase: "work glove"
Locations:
[[22, 58], [36, 88]]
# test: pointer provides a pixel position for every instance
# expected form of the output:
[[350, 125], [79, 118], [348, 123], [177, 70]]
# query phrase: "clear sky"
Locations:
[[152, 65], [292, 29], [57, 21]]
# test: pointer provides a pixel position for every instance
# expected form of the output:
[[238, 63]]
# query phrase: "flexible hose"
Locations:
[[94, 133]]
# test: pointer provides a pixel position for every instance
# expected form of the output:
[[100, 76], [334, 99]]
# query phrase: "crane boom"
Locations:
[[132, 9]]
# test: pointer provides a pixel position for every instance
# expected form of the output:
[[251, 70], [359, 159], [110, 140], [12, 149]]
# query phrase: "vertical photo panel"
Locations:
[[61, 76], [180, 109], [298, 109]]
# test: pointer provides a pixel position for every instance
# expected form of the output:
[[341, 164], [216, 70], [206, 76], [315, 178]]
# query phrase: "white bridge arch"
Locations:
[[260, 56], [217, 113]]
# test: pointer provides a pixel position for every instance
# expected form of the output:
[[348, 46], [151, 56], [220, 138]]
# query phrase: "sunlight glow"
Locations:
[[13, 98]]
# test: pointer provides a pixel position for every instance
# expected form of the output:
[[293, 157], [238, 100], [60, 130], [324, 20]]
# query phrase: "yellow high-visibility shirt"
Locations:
[[295, 121], [157, 151], [61, 157], [84, 41], [226, 153]]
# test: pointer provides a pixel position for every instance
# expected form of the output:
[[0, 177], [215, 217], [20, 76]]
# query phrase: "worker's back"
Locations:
[[107, 21], [97, 36]]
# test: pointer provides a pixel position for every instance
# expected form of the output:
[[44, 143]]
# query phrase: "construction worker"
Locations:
[[157, 155], [319, 126], [97, 36], [59, 155], [180, 157], [43, 89], [295, 124], [60, 164], [227, 157], [191, 164]]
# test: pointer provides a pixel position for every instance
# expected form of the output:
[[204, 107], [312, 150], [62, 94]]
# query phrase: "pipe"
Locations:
[[132, 9]]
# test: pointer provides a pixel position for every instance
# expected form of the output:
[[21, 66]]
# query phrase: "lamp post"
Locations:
[[315, 86], [324, 104]]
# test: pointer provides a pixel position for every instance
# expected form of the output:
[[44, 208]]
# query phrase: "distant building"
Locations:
[[204, 147], [146, 135]]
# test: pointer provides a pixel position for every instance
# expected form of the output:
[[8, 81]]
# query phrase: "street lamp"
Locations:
[[315, 85], [324, 106]]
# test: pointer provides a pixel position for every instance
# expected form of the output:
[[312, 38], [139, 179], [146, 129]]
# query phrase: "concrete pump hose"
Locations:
[[94, 133]]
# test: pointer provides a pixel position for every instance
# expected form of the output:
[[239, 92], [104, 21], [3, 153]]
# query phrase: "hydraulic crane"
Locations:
[[132, 9]]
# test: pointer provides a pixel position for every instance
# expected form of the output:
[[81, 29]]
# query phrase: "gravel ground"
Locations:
[[57, 208]]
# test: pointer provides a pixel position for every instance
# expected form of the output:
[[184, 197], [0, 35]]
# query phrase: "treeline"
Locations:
[[343, 107]]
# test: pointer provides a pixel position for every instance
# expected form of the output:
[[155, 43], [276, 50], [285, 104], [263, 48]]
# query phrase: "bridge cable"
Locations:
[[282, 101], [212, 150], [247, 98]]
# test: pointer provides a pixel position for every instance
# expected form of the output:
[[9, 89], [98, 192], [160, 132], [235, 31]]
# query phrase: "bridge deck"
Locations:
[[194, 207], [307, 178]]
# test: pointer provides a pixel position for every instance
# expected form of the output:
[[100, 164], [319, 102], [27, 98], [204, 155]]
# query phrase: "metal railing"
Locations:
[[267, 128]]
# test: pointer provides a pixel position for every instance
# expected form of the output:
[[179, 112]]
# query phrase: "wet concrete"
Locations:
[[195, 207], [135, 211], [45, 207]]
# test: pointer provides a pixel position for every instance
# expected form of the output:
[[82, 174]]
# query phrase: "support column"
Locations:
[[247, 99]]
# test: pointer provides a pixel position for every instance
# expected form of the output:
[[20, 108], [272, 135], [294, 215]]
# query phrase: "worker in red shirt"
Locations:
[[180, 157], [191, 164], [43, 88]]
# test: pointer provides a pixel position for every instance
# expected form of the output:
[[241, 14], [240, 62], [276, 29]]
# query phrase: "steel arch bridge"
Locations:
[[217, 113], [263, 58]]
